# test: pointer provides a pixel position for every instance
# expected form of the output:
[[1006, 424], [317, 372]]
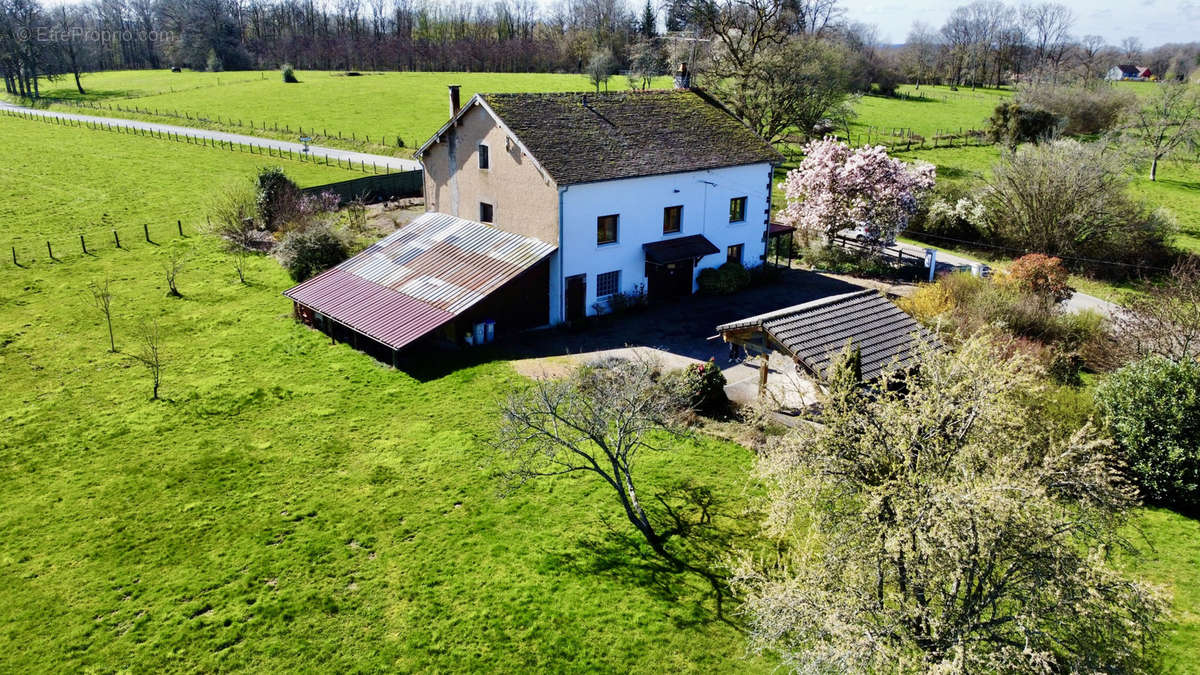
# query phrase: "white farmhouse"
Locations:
[[637, 190]]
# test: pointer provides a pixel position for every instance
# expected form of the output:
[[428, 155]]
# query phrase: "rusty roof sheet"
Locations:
[[816, 332], [419, 277]]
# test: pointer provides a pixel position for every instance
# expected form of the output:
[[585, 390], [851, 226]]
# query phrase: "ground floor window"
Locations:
[[608, 284], [734, 253]]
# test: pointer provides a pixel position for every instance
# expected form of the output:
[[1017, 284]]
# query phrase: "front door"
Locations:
[[669, 281], [576, 297]]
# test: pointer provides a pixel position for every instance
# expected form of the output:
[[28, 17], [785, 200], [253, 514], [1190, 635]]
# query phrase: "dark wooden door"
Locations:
[[576, 297], [670, 281]]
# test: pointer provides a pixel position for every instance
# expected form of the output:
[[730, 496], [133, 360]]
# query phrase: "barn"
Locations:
[[439, 278]]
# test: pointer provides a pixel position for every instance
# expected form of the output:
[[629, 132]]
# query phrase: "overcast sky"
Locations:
[[1151, 21]]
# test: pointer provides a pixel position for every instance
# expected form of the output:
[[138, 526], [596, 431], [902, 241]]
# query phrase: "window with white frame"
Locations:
[[608, 284]]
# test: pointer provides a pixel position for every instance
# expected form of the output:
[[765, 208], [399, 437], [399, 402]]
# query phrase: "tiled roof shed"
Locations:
[[582, 137], [816, 332], [419, 277]]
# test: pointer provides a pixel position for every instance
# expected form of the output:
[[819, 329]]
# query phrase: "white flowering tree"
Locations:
[[837, 187]]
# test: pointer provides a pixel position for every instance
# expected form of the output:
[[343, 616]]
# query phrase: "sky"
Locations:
[[1154, 22]]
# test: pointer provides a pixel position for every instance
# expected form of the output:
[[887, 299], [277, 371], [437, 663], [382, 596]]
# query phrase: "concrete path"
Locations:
[[1076, 303], [359, 158]]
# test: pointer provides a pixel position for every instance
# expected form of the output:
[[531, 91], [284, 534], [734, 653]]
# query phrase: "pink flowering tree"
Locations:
[[836, 188]]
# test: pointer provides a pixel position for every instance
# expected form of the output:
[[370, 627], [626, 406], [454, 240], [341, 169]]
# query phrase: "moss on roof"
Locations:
[[580, 138]]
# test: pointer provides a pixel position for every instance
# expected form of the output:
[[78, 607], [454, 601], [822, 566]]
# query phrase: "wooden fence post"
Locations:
[[117, 238], [15, 257], [179, 223], [49, 250], [146, 230], [83, 244]]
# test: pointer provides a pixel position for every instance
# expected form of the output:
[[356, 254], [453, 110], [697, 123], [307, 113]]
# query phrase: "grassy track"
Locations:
[[293, 506]]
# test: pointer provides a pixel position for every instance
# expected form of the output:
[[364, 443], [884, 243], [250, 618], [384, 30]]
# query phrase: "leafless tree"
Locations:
[[1168, 120], [1131, 50], [102, 299], [595, 421], [1167, 320], [1049, 25], [920, 56], [172, 266], [149, 354], [1089, 51]]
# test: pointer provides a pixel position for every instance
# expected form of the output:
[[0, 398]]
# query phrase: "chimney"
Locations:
[[454, 100], [683, 79]]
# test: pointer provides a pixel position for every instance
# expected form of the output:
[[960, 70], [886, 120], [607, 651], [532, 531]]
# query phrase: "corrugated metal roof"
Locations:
[[816, 332], [419, 277]]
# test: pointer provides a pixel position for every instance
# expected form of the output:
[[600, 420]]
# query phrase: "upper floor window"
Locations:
[[484, 159], [734, 253], [737, 209], [606, 229], [485, 212], [672, 219]]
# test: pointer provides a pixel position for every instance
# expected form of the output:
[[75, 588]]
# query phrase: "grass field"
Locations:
[[929, 111], [293, 505]]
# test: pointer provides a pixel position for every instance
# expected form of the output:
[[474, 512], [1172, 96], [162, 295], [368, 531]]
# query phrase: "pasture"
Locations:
[[295, 505]]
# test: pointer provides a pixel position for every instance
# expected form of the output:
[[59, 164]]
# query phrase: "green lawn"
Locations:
[[69, 180], [930, 111], [409, 105], [293, 505]]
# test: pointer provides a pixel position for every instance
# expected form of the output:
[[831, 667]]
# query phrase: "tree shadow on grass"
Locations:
[[700, 531]]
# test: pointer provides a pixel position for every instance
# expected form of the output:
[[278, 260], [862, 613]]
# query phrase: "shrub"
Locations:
[[624, 302], [1041, 275], [730, 277], [927, 302], [703, 387], [1013, 124], [1070, 200], [1152, 410], [277, 198], [288, 73], [310, 251], [1084, 109], [844, 261], [213, 63], [960, 219]]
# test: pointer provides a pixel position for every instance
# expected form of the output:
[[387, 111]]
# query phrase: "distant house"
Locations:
[[543, 207], [1129, 72]]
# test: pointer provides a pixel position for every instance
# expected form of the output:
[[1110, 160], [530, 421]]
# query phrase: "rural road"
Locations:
[[1076, 303], [362, 158]]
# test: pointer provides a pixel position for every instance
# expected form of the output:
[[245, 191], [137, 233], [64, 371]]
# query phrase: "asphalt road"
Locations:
[[361, 158], [1077, 302]]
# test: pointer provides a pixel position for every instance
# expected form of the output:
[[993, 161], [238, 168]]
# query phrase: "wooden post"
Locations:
[[15, 257], [49, 250], [179, 223], [146, 230], [83, 244], [117, 238], [762, 374]]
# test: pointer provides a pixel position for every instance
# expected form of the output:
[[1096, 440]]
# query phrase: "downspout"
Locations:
[[562, 280]]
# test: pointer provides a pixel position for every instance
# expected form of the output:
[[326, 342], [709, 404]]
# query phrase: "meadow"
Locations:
[[293, 504]]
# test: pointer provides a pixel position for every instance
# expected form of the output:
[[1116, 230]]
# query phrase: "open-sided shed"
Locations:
[[815, 333]]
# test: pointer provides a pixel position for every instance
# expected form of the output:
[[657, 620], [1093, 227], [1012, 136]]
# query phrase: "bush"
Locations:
[[960, 219], [624, 302], [702, 385], [310, 251], [1013, 124], [277, 198], [1071, 200], [288, 73], [213, 63], [1152, 410], [730, 277], [839, 260], [1084, 109], [1041, 275]]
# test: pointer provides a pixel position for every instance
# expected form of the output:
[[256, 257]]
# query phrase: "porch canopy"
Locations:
[[815, 333], [692, 247]]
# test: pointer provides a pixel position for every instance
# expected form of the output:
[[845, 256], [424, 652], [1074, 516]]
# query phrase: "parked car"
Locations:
[[863, 234]]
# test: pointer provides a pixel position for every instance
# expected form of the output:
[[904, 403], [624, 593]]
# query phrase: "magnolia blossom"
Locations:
[[835, 188]]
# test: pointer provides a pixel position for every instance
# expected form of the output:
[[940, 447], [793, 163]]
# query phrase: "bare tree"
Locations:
[[149, 355], [1049, 25], [102, 299], [1167, 320], [595, 421], [172, 266], [1131, 50], [1089, 52], [1169, 120]]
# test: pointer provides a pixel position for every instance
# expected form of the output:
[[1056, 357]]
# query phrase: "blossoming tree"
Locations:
[[837, 187]]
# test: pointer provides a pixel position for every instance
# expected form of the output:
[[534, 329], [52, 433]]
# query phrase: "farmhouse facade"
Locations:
[[638, 191], [1129, 72]]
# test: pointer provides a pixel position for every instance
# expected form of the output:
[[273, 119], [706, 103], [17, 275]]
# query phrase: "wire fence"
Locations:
[[904, 138], [262, 150], [92, 242], [313, 131]]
